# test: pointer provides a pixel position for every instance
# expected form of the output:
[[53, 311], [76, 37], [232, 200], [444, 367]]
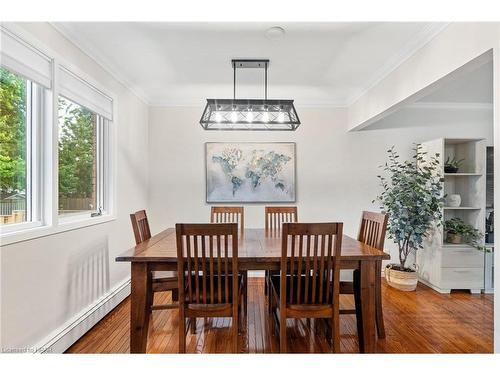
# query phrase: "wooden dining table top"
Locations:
[[255, 246]]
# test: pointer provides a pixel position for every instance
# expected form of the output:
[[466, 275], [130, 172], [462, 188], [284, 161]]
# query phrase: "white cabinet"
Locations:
[[444, 266]]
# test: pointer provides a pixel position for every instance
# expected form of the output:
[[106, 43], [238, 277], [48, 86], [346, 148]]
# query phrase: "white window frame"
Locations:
[[46, 201], [102, 178], [35, 95]]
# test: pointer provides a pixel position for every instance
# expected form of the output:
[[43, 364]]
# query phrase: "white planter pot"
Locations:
[[402, 280]]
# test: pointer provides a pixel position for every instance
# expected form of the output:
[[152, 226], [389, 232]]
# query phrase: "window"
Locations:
[[55, 142], [81, 159], [19, 118]]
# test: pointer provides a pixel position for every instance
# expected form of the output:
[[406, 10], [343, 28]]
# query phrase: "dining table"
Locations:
[[258, 249]]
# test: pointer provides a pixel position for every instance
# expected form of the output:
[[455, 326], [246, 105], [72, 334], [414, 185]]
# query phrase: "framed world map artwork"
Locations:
[[250, 172]]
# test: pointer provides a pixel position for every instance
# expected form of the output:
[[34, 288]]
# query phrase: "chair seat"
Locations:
[[164, 274], [216, 289], [276, 284]]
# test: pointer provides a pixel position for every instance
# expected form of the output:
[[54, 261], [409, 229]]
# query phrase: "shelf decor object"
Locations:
[[453, 200], [452, 257], [250, 114]]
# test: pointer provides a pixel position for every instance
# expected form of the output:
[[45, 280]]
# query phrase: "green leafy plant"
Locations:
[[469, 234], [453, 163], [412, 196]]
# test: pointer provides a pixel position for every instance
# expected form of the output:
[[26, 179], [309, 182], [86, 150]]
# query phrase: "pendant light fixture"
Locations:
[[249, 114]]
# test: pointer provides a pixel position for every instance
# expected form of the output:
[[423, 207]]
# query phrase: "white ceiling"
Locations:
[[185, 63]]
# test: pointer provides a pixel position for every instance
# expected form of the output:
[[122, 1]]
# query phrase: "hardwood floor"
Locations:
[[416, 322]]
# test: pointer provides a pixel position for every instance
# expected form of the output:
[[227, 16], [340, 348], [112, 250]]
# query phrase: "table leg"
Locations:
[[378, 300], [139, 311], [367, 299]]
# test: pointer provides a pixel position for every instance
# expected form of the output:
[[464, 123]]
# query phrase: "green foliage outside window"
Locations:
[[76, 150], [12, 134]]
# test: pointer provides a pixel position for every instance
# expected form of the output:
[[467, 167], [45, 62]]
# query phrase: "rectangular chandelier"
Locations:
[[249, 114]]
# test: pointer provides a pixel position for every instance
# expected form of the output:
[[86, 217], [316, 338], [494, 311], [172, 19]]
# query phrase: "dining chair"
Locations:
[[228, 214], [275, 217], [308, 283], [162, 281], [210, 285], [231, 214], [372, 232]]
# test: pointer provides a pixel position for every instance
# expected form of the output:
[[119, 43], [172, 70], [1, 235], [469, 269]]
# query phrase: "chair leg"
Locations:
[[283, 346], [269, 300], [378, 301], [175, 295], [235, 328], [192, 325], [335, 334], [245, 293], [182, 334], [266, 286]]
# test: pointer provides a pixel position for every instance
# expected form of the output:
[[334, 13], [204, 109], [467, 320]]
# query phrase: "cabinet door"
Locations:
[[459, 257], [462, 278]]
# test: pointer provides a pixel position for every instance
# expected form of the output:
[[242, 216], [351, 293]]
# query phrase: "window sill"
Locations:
[[44, 231]]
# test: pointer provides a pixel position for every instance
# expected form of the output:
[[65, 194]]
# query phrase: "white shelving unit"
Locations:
[[441, 265]]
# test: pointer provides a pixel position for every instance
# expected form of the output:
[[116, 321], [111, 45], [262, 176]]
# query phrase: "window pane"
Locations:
[[77, 158], [13, 109]]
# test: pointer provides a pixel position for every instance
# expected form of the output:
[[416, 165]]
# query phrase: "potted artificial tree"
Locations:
[[412, 196]]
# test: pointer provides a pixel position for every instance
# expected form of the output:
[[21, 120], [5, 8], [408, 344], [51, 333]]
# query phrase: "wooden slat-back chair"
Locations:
[[225, 214], [275, 217], [372, 232], [207, 257], [231, 214], [308, 284], [161, 281]]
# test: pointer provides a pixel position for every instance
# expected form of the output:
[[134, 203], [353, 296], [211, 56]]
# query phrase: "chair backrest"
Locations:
[[373, 228], [207, 256], [140, 226], [224, 214], [277, 216], [310, 257]]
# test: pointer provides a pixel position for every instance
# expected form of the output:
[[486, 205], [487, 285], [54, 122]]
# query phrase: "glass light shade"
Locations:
[[249, 114]]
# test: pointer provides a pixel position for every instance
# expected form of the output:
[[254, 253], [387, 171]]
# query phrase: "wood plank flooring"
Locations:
[[416, 322]]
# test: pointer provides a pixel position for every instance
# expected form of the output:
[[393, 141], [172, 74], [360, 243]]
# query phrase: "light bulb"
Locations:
[[265, 117], [234, 116], [281, 117], [218, 117]]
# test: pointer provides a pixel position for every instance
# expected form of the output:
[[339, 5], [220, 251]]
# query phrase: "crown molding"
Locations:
[[100, 60], [454, 106], [411, 47]]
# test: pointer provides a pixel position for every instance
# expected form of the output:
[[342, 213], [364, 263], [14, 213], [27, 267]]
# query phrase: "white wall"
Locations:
[[455, 46], [48, 282], [336, 170]]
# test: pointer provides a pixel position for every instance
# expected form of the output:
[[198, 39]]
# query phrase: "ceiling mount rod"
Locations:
[[265, 84], [250, 63]]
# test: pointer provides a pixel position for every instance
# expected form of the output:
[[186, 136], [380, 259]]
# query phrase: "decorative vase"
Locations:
[[450, 169], [453, 238], [453, 200], [401, 280]]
